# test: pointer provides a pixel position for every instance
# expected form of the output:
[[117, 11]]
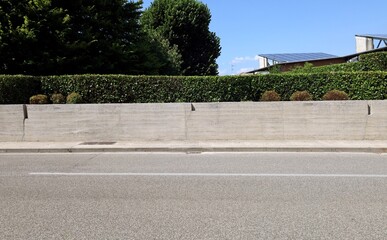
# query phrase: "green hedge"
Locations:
[[358, 85], [365, 79], [342, 67], [18, 89], [144, 89], [368, 62], [374, 61]]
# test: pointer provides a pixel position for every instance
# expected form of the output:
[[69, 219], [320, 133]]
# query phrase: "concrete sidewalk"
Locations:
[[197, 146]]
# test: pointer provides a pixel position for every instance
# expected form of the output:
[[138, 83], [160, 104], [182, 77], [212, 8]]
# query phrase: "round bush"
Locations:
[[301, 96], [269, 96], [39, 99], [334, 95], [58, 98], [73, 98]]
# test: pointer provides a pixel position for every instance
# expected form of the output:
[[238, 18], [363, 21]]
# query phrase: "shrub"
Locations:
[[368, 62], [17, 89], [335, 95], [307, 68], [301, 96], [376, 61], [270, 96], [58, 98], [39, 99], [73, 98]]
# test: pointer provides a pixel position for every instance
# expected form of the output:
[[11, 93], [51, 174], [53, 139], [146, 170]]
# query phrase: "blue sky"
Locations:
[[250, 27]]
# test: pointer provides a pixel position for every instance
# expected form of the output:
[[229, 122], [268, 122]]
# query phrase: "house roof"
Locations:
[[296, 57], [345, 58], [374, 36]]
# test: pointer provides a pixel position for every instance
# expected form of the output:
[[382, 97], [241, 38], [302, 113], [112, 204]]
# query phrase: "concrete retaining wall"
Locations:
[[340, 120], [376, 125], [282, 121], [105, 122], [11, 123]]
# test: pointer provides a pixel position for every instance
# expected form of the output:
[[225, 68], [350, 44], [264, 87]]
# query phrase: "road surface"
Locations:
[[193, 196]]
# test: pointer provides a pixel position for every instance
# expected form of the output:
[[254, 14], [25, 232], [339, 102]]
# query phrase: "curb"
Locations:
[[194, 150]]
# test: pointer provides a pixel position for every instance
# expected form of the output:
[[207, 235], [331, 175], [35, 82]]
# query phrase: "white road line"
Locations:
[[209, 174]]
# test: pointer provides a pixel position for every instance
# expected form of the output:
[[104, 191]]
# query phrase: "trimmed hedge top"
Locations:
[[367, 62], [146, 89]]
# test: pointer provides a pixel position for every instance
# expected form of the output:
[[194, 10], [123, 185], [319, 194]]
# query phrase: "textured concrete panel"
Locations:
[[235, 121], [327, 120], [336, 120], [339, 120], [105, 122], [376, 128], [11, 123]]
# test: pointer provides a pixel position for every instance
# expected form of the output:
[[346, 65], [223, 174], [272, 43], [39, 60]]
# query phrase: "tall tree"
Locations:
[[165, 58], [43, 37], [103, 36], [29, 33], [185, 23]]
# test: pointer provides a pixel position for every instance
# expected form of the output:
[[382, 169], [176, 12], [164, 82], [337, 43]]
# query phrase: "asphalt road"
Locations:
[[193, 196]]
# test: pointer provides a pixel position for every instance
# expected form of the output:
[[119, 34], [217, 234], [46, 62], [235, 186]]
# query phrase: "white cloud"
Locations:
[[237, 60], [242, 70]]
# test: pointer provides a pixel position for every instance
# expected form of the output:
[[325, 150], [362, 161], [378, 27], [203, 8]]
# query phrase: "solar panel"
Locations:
[[296, 57], [375, 36]]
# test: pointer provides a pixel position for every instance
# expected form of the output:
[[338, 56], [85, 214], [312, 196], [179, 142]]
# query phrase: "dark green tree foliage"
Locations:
[[185, 23], [30, 32], [164, 57], [44, 37]]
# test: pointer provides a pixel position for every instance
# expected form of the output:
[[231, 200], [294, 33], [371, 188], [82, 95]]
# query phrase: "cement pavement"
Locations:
[[379, 146], [193, 196]]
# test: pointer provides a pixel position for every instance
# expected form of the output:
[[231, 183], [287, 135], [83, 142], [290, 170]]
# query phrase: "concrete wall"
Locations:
[[340, 120], [287, 121], [11, 123], [364, 44], [105, 122], [376, 125], [263, 62]]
